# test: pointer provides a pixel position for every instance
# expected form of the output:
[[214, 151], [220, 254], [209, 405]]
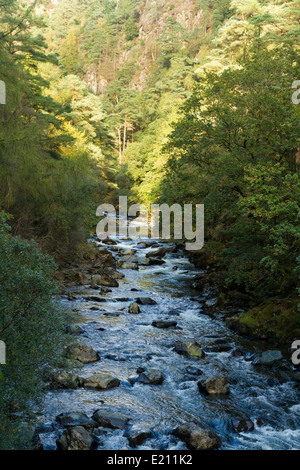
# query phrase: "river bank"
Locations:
[[271, 318]]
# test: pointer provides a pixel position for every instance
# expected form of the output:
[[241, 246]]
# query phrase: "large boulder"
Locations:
[[75, 419], [64, 380], [268, 358], [104, 260], [105, 280], [128, 259], [215, 386], [134, 308], [197, 438], [83, 353], [95, 257], [160, 253], [189, 349], [111, 420], [113, 273], [101, 381], [72, 277], [76, 438], [137, 435], [150, 376]]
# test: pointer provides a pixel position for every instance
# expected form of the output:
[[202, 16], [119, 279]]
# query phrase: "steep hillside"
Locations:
[[97, 40]]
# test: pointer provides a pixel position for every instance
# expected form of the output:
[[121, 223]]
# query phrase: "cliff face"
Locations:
[[143, 51], [154, 18]]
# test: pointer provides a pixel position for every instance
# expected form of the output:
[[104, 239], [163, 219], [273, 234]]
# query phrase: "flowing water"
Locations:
[[130, 341]]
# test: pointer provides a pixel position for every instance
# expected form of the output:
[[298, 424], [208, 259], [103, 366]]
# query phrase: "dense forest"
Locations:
[[165, 101]]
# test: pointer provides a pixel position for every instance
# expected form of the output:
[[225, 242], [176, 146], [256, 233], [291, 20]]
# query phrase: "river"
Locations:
[[126, 342]]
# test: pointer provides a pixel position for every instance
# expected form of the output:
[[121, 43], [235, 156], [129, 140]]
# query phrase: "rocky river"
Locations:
[[157, 373]]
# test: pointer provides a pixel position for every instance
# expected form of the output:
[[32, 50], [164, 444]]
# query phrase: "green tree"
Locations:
[[242, 118]]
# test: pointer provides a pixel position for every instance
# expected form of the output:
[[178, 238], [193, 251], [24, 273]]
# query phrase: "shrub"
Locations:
[[31, 325]]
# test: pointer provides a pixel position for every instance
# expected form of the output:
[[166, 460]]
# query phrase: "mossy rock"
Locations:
[[87, 251], [275, 319]]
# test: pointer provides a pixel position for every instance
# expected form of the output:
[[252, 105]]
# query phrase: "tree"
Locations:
[[238, 123]]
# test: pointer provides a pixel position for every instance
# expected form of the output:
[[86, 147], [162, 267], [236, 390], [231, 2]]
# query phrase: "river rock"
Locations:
[[74, 277], [76, 438], [128, 259], [104, 290], [150, 376], [94, 298], [134, 308], [137, 435], [243, 425], [160, 253], [189, 349], [156, 262], [194, 371], [128, 252], [115, 357], [268, 358], [219, 348], [113, 273], [111, 420], [105, 280], [141, 246], [161, 324], [145, 301], [93, 258], [75, 419], [215, 386], [197, 438], [104, 260], [146, 244], [64, 380], [101, 381], [295, 376], [83, 353], [132, 266], [109, 242]]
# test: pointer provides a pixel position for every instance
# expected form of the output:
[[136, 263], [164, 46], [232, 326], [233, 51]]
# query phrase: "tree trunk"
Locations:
[[124, 137], [120, 145]]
